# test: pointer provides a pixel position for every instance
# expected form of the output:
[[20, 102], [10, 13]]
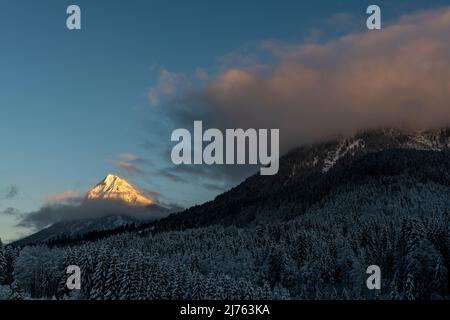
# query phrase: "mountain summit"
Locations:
[[116, 188], [106, 216]]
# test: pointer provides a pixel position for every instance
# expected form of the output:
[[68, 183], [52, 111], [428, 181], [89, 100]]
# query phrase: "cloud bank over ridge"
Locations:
[[399, 76]]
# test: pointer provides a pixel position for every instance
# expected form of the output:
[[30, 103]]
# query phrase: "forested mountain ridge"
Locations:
[[389, 208], [76, 228], [306, 173], [379, 198]]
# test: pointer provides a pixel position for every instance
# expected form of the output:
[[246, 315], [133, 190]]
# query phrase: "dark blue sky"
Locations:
[[75, 106]]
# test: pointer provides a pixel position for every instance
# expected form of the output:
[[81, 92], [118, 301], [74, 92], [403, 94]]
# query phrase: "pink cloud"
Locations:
[[399, 76], [128, 156]]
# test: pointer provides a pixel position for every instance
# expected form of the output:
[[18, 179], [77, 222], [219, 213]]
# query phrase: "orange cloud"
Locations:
[[128, 157], [399, 76]]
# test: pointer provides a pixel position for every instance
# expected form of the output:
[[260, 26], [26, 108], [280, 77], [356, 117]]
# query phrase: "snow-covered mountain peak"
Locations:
[[116, 188]]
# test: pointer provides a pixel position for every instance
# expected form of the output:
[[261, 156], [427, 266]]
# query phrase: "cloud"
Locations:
[[10, 211], [201, 74], [168, 174], [128, 156], [206, 176], [152, 195], [168, 85], [399, 76], [129, 167], [314, 91], [65, 196], [214, 187], [10, 192], [172, 206], [78, 210], [130, 163]]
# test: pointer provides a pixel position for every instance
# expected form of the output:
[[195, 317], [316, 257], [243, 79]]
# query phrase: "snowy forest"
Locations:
[[306, 258], [311, 239]]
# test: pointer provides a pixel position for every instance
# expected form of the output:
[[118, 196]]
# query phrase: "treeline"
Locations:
[[293, 191], [298, 186], [311, 237], [322, 254]]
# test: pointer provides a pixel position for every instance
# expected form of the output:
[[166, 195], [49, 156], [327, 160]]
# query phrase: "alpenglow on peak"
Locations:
[[116, 188]]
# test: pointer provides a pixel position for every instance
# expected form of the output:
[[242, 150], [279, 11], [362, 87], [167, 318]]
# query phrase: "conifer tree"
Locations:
[[3, 265]]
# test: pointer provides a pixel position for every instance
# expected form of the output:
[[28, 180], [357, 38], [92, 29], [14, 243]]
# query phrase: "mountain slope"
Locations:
[[311, 234], [379, 198], [309, 173], [76, 228]]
